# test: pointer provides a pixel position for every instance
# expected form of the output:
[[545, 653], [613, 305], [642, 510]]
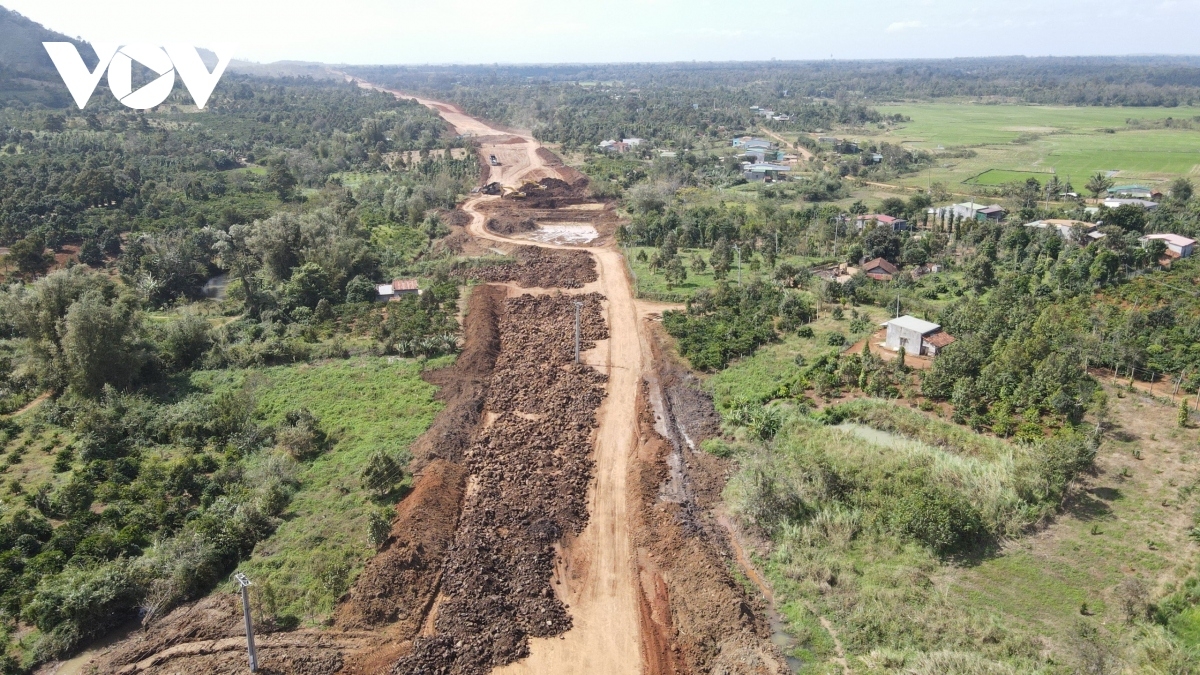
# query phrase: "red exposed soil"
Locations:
[[530, 470], [691, 602], [539, 268]]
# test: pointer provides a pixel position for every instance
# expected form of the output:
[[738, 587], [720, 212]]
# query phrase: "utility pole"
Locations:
[[738, 251], [578, 306], [245, 583]]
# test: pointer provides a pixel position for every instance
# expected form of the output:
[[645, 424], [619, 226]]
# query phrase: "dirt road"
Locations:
[[596, 569]]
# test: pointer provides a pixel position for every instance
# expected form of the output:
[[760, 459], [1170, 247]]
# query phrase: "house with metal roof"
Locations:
[[1134, 192], [1066, 228], [916, 336], [764, 171], [397, 289], [1116, 203], [1178, 246], [896, 224]]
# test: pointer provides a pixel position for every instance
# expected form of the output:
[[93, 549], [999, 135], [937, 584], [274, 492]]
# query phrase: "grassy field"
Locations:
[[364, 404], [1026, 604], [1071, 142], [759, 377], [654, 283]]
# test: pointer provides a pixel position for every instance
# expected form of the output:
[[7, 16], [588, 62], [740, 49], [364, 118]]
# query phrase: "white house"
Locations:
[[916, 336], [1066, 228], [1179, 245], [1117, 203]]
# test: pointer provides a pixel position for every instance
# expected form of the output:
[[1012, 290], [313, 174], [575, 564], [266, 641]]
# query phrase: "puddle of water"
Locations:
[[553, 233]]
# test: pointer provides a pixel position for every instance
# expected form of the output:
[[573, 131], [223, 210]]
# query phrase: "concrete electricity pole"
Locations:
[[738, 251], [578, 306], [245, 583]]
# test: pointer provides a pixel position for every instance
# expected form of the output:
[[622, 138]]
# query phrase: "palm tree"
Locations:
[[1099, 184]]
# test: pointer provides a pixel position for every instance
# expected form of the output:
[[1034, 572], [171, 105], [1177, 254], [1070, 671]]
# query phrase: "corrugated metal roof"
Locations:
[[912, 323], [1176, 239], [404, 285]]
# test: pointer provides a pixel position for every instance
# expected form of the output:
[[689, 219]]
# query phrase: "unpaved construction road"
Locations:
[[562, 521]]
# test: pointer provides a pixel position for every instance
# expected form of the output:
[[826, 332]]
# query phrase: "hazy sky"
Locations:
[[518, 31]]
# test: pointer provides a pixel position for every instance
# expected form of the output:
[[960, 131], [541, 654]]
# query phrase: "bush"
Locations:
[[938, 517], [301, 435], [78, 603], [382, 474]]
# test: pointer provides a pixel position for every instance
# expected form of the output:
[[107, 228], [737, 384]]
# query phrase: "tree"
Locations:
[[382, 474], [30, 256], [697, 264], [90, 253], [893, 206], [1099, 184], [1183, 416], [674, 272], [720, 259], [281, 181], [101, 345], [360, 289], [1181, 189]]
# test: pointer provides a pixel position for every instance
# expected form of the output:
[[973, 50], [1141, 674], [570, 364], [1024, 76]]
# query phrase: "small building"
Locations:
[[827, 139], [880, 269], [1066, 228], [1115, 203], [1132, 191], [995, 212], [1178, 245], [916, 336], [750, 142], [973, 211], [896, 224], [397, 289], [761, 172]]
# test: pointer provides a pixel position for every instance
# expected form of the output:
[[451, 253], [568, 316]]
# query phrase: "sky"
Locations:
[[574, 31]]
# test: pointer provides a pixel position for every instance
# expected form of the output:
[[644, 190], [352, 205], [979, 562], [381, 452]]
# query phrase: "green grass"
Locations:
[[761, 376], [653, 283], [365, 404], [1002, 176], [1071, 142]]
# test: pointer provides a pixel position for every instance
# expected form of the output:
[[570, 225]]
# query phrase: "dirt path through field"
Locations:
[[596, 569]]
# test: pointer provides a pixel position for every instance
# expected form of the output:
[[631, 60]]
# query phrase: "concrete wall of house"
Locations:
[[911, 340]]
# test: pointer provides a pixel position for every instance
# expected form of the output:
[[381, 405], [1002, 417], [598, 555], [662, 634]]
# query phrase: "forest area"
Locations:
[[164, 453]]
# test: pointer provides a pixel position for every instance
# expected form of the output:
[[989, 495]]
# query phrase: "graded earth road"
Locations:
[[596, 569]]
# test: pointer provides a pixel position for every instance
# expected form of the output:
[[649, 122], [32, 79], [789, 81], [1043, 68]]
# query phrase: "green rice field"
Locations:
[[1074, 143]]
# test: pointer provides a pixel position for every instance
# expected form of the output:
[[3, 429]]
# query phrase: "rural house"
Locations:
[[973, 211], [397, 289], [896, 224], [916, 336], [1134, 192], [760, 172], [1115, 203], [1178, 246], [1066, 228], [880, 269]]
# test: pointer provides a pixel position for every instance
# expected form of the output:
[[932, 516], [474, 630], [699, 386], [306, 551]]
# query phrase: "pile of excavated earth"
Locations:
[[529, 469], [538, 267]]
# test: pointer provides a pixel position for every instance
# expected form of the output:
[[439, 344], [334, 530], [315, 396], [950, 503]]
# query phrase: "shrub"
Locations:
[[301, 435], [382, 474]]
